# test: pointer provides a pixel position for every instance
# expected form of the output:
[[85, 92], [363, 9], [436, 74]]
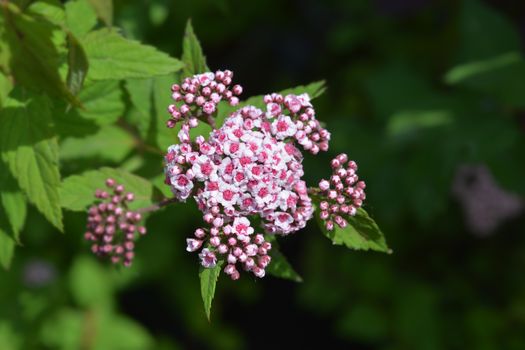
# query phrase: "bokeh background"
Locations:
[[427, 96]]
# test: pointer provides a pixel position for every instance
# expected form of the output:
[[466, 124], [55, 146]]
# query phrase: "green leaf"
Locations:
[[111, 56], [280, 267], [140, 93], [14, 203], [484, 32], [80, 17], [90, 283], [102, 102], [7, 245], [34, 58], [362, 233], [9, 339], [208, 278], [29, 147], [104, 10], [77, 65], [77, 192], [471, 69], [314, 90], [192, 55], [5, 87], [110, 143]]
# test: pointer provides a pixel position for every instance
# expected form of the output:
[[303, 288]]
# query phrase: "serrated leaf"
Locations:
[[362, 233], [104, 10], [192, 55], [13, 202], [77, 192], [80, 17], [110, 143], [112, 56], [34, 58], [314, 90], [102, 103], [77, 65], [208, 278], [29, 147], [280, 267]]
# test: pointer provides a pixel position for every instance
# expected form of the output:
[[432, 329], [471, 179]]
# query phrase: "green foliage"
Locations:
[[29, 147], [362, 233], [192, 56], [77, 191], [208, 278], [111, 56], [280, 267]]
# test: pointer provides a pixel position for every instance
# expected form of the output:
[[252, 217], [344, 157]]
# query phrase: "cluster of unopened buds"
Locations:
[[343, 193], [248, 171], [112, 226]]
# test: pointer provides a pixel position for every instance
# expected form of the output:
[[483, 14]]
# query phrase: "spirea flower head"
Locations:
[[112, 226], [342, 194], [247, 176]]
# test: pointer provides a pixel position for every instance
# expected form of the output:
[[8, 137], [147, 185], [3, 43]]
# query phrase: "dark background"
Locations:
[[444, 164]]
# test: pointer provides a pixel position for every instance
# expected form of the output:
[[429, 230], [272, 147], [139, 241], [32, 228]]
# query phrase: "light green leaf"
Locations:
[[471, 69], [140, 93], [111, 56], [51, 10], [280, 267], [34, 57], [77, 192], [110, 143], [192, 55], [9, 339], [80, 17], [208, 278], [5, 87], [90, 283], [14, 203], [77, 65], [29, 147], [404, 122], [314, 90], [362, 233], [104, 10], [102, 102]]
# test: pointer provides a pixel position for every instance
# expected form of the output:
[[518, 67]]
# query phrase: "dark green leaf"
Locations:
[[77, 65], [90, 283], [140, 93], [29, 147], [112, 56], [362, 233], [77, 192], [208, 278], [7, 243], [280, 267], [5, 87], [192, 55]]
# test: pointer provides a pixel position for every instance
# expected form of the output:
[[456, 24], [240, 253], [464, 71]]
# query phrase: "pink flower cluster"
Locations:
[[198, 97], [299, 123], [343, 193], [112, 226]]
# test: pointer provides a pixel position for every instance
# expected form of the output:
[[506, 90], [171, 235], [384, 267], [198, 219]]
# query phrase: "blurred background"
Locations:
[[427, 96]]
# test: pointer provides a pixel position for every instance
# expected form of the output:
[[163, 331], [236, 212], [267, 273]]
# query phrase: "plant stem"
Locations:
[[158, 205]]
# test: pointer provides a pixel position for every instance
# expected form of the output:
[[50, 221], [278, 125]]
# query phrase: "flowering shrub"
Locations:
[[241, 161]]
